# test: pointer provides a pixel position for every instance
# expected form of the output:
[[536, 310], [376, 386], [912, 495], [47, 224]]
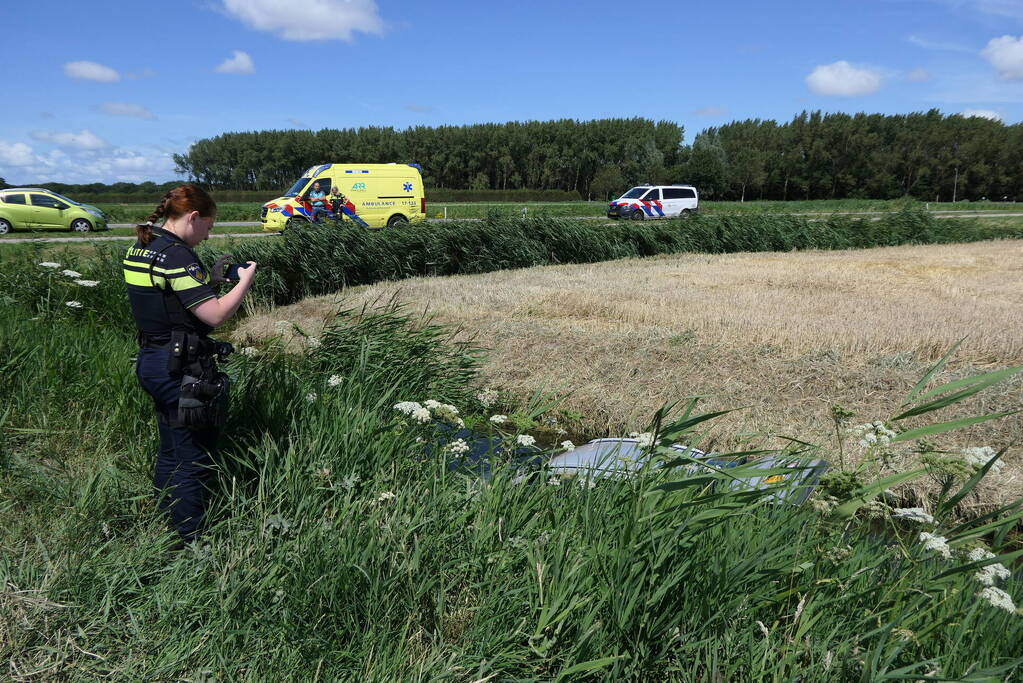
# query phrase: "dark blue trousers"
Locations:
[[185, 457]]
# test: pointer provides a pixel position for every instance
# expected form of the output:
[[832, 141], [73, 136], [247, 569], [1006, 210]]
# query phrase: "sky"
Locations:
[[106, 91]]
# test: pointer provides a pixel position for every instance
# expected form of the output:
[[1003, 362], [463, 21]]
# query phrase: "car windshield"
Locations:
[[297, 187], [65, 199], [634, 193]]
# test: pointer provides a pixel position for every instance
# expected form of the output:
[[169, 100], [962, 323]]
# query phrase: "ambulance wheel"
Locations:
[[396, 220], [294, 221], [637, 215]]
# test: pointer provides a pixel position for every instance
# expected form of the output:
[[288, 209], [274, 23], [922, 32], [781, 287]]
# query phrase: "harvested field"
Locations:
[[782, 335]]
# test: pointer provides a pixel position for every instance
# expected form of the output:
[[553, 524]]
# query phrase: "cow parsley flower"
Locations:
[[313, 342], [87, 283], [487, 397], [73, 304], [554, 481], [935, 543], [913, 515], [586, 482], [49, 264], [70, 273], [407, 407], [568, 445], [385, 496], [458, 447], [980, 456], [499, 419], [525, 440], [249, 351], [998, 598], [421, 415], [311, 397], [872, 434], [335, 380], [991, 574]]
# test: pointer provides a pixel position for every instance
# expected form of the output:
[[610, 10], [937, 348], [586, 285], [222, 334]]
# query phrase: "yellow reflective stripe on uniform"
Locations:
[[168, 271], [181, 284], [138, 279]]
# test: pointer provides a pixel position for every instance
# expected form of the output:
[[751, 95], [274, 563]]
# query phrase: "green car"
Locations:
[[35, 208]]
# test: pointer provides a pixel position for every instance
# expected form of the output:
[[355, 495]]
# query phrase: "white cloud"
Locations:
[[918, 75], [305, 20], [1006, 55], [91, 71], [938, 45], [126, 109], [842, 79], [16, 154], [711, 111], [238, 63], [982, 114], [84, 140], [418, 108]]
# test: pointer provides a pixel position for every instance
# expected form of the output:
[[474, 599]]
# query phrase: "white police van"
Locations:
[[656, 201]]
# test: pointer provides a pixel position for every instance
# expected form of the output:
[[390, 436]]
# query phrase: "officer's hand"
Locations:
[[246, 274], [219, 267]]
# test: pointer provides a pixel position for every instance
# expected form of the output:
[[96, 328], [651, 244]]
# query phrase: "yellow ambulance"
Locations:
[[373, 196]]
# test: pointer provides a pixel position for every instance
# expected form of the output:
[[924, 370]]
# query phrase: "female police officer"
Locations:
[[175, 308]]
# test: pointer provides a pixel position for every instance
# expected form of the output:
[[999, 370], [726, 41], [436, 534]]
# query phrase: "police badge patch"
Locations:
[[197, 273]]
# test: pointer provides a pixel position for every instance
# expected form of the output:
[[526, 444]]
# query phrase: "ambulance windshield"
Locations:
[[297, 187]]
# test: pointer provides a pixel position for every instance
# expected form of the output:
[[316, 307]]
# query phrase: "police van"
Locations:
[[372, 196], [656, 201]]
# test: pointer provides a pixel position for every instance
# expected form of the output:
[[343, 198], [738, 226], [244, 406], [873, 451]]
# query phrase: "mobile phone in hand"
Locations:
[[232, 271]]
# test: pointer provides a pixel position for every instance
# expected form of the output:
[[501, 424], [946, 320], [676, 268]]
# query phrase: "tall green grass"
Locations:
[[344, 550], [320, 259]]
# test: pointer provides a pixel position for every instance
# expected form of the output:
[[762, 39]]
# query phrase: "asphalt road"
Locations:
[[110, 238]]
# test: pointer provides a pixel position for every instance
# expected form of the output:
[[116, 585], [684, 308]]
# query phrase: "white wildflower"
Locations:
[[568, 445], [978, 554], [980, 456], [443, 411], [311, 397], [407, 407], [49, 264], [938, 544], [385, 496], [824, 505], [990, 574], [872, 434], [913, 515], [335, 380], [323, 472], [554, 481], [431, 404], [633, 435], [585, 482], [421, 415], [70, 273], [487, 397], [525, 440], [282, 325], [998, 598], [350, 481], [313, 342], [458, 447], [249, 351], [86, 283], [645, 439], [73, 304], [499, 419]]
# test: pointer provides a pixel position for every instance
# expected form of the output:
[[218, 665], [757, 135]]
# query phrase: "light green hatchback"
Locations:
[[35, 208]]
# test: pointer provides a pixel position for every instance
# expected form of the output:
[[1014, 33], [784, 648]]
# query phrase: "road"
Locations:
[[876, 215]]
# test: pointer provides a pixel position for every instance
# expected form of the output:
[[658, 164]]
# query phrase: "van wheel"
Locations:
[[685, 214], [396, 220], [5, 226], [637, 215], [80, 225], [295, 221]]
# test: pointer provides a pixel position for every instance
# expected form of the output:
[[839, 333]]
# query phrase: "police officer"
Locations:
[[175, 309]]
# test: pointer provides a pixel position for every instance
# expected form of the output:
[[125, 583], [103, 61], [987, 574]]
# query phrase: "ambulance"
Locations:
[[374, 196]]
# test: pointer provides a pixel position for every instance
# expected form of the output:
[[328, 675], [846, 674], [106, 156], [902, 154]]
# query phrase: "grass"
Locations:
[[315, 571], [785, 335]]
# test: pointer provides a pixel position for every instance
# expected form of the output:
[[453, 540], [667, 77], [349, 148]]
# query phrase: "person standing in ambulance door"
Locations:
[[175, 309]]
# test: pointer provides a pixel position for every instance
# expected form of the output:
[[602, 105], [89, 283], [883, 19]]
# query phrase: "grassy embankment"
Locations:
[[343, 550]]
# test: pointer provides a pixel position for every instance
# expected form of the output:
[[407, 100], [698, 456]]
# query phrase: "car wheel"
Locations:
[[5, 226], [80, 225], [396, 220], [637, 215], [685, 214]]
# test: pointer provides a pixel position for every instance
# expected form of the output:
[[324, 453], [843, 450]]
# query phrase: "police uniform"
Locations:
[[165, 279]]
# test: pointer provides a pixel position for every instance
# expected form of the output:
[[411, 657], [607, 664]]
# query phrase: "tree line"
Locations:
[[926, 155]]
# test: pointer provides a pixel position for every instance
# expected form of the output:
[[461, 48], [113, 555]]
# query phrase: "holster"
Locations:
[[204, 399]]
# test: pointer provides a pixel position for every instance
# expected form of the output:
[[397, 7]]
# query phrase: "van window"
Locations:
[[688, 194], [14, 198], [653, 195], [324, 186], [634, 193], [297, 187], [673, 193]]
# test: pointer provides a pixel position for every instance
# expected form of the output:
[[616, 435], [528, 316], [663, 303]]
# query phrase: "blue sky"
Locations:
[[101, 91]]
